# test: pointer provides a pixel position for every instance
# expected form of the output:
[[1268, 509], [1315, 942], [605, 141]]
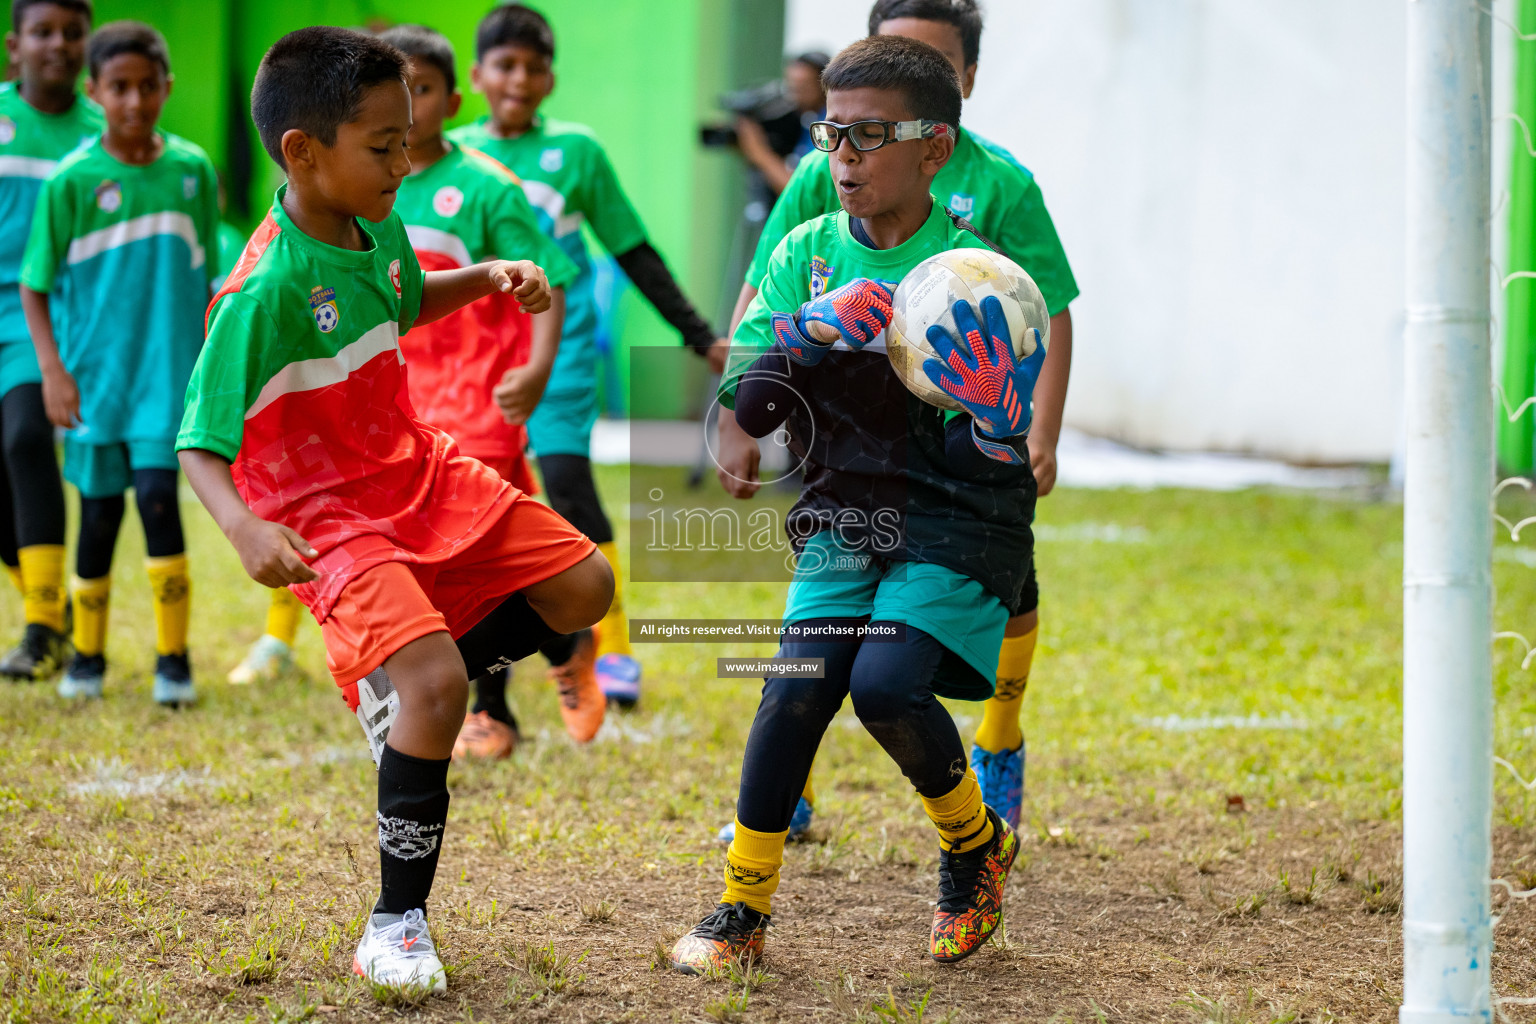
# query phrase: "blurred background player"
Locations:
[[984, 184], [42, 118], [424, 568], [569, 179], [130, 223], [478, 372]]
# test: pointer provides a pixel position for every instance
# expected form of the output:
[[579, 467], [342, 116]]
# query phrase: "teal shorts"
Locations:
[[106, 470], [562, 424], [834, 582], [18, 365]]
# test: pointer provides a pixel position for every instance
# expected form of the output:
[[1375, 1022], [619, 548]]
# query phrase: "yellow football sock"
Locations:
[[15, 573], [809, 792], [959, 815], [999, 729], [283, 616], [172, 590], [752, 867], [613, 631], [42, 576], [91, 600]]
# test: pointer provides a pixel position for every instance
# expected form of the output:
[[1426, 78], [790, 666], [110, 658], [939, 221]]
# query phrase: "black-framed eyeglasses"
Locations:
[[870, 135]]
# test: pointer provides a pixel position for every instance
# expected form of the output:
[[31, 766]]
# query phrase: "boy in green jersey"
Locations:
[[570, 180], [984, 184], [127, 226], [912, 527], [42, 118], [423, 567]]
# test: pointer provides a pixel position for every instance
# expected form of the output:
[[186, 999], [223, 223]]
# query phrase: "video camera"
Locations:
[[766, 104]]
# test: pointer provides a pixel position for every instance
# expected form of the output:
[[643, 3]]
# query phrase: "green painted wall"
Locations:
[[642, 73], [1518, 372]]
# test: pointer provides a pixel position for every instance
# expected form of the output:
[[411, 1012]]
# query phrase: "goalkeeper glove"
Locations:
[[983, 375], [858, 311]]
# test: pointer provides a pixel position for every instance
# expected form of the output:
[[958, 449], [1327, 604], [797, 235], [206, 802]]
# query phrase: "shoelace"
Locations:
[[396, 935], [958, 873], [728, 920], [566, 682]]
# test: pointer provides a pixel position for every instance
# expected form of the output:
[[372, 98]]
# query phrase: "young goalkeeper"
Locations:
[[43, 117], [570, 180], [984, 184], [423, 567], [932, 509], [128, 225]]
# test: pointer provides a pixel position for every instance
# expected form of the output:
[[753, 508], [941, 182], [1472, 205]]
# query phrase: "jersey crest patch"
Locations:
[[189, 186], [322, 303], [7, 131], [448, 201], [821, 271], [963, 205], [109, 196], [552, 160], [394, 275]]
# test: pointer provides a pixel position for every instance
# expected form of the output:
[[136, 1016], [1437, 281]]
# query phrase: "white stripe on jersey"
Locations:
[[444, 243], [136, 229], [309, 374], [546, 198], [26, 167]]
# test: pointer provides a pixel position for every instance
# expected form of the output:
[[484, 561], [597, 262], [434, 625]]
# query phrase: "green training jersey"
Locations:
[[464, 209], [231, 245], [302, 387], [570, 181], [875, 464], [982, 183], [131, 248], [31, 145]]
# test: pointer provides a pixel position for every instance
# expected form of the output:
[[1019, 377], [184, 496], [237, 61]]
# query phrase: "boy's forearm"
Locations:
[[648, 272], [546, 333], [443, 291], [208, 474], [1051, 389], [35, 307]]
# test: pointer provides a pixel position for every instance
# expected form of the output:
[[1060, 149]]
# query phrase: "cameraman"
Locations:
[[802, 87]]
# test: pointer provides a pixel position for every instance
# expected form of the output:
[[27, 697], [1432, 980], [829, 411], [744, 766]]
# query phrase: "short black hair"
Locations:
[[19, 7], [813, 59], [514, 25], [964, 15], [914, 69], [421, 43], [314, 79], [119, 37]]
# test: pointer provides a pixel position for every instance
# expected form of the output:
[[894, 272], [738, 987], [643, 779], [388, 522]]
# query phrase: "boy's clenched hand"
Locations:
[[525, 281], [272, 554]]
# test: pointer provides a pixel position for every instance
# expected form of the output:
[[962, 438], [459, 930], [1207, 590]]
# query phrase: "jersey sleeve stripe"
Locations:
[[26, 167], [492, 163], [444, 243], [309, 374], [254, 248], [137, 229], [548, 199]]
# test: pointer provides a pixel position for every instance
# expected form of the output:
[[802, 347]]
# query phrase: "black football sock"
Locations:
[[491, 696], [413, 809], [560, 649]]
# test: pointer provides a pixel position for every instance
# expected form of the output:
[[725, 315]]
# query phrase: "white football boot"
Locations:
[[398, 952], [377, 706]]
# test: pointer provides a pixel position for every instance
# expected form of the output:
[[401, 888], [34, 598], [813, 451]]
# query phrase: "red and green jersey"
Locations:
[[464, 209], [570, 181], [302, 386]]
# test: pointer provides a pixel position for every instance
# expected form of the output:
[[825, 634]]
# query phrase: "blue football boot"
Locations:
[[1002, 781], [799, 824]]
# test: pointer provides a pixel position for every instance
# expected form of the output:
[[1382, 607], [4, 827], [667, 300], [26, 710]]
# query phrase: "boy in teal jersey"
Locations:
[[126, 227], [912, 527], [570, 181], [42, 118], [423, 567], [984, 184]]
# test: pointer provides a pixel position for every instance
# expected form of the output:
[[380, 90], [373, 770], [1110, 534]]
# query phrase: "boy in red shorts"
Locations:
[[423, 567]]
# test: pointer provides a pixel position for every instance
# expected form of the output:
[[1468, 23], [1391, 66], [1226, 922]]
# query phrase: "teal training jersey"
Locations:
[[982, 183], [31, 145], [570, 181], [875, 464], [132, 250]]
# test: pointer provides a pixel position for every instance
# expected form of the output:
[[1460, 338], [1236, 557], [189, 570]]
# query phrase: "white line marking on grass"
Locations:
[[1178, 723], [114, 778]]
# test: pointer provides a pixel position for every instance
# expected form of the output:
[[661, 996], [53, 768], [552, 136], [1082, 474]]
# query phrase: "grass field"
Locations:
[[1212, 823]]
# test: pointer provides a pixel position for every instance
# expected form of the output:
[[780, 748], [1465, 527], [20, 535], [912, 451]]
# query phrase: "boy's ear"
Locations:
[[11, 44], [936, 153], [170, 80], [474, 77], [298, 149], [967, 81], [454, 103], [90, 89]]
